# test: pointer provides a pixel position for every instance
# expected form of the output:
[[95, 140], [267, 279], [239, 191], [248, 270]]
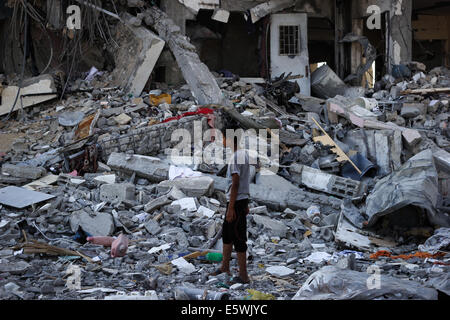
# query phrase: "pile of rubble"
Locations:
[[358, 209]]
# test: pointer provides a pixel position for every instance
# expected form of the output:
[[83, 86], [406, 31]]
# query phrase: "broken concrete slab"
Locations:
[[23, 171], [122, 119], [203, 227], [98, 224], [353, 285], [412, 110], [200, 80], [292, 197], [192, 187], [20, 198], [117, 192], [106, 178], [388, 150], [221, 15], [415, 184], [321, 181], [271, 180], [176, 194], [442, 159], [42, 182], [138, 52], [337, 107], [280, 271], [34, 90], [275, 227], [352, 213], [411, 137], [157, 203], [259, 210], [15, 268], [205, 211], [8, 180], [264, 9], [267, 196], [146, 167], [183, 265], [352, 237], [220, 184], [440, 283], [440, 241], [152, 227], [186, 204], [348, 235]]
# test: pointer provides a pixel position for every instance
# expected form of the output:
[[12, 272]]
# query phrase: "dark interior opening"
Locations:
[[321, 41], [409, 223], [430, 53], [232, 46], [377, 38]]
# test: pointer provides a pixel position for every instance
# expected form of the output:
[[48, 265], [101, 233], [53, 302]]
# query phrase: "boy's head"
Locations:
[[230, 140]]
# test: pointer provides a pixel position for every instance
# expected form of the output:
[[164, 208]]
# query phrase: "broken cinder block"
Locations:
[[139, 50], [325, 182], [117, 192]]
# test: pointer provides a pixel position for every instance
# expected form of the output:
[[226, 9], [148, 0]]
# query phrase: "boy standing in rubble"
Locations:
[[234, 230]]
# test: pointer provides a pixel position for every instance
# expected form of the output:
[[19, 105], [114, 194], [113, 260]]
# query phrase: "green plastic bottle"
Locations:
[[214, 256]]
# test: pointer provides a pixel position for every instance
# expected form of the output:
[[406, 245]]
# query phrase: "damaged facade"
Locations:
[[355, 92]]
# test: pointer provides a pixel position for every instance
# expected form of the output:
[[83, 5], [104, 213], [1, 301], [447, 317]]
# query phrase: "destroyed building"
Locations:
[[350, 97]]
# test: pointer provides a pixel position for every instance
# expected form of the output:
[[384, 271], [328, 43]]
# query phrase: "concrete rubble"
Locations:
[[97, 163]]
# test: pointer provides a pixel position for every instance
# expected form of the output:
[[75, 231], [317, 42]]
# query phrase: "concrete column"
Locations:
[[55, 13], [178, 13], [401, 32]]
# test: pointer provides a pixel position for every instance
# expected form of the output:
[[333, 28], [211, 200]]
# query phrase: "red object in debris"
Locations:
[[119, 246], [104, 241], [74, 173], [381, 253], [422, 255], [204, 111]]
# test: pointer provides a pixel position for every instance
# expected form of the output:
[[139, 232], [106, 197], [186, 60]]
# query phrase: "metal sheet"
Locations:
[[20, 198]]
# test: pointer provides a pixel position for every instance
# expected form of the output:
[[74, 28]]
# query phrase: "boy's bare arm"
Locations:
[[231, 214]]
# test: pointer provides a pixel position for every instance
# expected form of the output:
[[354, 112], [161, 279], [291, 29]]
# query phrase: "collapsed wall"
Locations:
[[149, 140]]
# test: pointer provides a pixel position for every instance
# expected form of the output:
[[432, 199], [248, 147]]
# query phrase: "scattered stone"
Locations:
[[192, 187], [280, 271], [23, 171], [275, 227], [117, 192], [98, 224], [122, 119], [15, 268]]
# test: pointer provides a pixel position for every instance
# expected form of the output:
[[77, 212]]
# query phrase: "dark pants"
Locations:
[[236, 231]]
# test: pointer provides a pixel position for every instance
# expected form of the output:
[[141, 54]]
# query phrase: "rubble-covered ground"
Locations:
[[119, 192]]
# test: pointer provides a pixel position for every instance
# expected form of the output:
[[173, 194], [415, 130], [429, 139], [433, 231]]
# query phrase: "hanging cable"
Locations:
[[24, 60]]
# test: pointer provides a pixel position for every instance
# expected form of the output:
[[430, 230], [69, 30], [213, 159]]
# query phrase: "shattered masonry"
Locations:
[[94, 206]]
